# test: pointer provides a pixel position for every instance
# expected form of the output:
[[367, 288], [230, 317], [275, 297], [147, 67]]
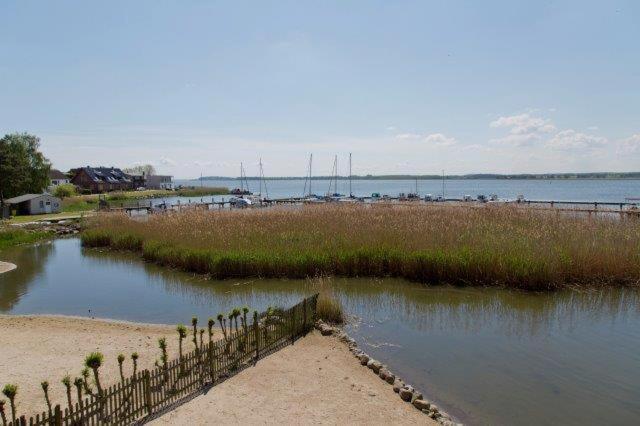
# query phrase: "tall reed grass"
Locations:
[[496, 245], [328, 307]]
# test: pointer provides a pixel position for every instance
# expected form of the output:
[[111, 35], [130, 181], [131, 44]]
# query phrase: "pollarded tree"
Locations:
[[23, 168], [94, 362], [10, 392]]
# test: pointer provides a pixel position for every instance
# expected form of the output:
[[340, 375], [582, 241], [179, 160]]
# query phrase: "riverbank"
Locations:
[[301, 383], [11, 236], [505, 246]]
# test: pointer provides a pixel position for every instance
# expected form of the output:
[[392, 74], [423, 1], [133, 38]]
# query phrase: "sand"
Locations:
[[37, 348], [315, 381], [6, 267]]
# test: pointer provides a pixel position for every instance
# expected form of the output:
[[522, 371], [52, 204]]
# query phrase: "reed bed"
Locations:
[[495, 245]]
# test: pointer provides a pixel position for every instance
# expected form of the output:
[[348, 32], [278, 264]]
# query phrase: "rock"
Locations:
[[387, 376], [364, 359], [326, 330], [406, 393], [421, 404], [416, 395], [397, 385], [374, 365]]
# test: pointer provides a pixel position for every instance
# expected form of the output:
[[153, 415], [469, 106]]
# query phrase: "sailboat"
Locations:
[[307, 194], [244, 184], [333, 182]]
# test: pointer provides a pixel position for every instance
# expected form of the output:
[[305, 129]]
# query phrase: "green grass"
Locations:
[[504, 246], [14, 237], [81, 203]]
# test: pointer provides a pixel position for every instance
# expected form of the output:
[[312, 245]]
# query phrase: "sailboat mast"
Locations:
[[310, 165], [443, 184], [260, 171], [241, 179], [350, 191]]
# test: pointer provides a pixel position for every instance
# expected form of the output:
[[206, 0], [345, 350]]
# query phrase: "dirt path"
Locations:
[[315, 381]]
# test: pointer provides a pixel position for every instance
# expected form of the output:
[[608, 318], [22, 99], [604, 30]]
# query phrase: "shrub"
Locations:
[[64, 190], [328, 308]]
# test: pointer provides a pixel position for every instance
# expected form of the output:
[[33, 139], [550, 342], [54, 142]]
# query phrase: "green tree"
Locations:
[[23, 168], [147, 169]]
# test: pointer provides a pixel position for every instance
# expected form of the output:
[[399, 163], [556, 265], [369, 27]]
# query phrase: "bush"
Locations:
[[328, 308], [65, 190]]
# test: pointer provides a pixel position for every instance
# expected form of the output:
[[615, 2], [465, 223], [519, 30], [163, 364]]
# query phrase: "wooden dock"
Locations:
[[586, 207]]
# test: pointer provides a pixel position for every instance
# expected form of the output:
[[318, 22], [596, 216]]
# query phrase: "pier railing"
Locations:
[[150, 393]]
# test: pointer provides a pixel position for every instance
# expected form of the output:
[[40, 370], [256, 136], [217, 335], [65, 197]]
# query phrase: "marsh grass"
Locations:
[[10, 237], [328, 308], [495, 245]]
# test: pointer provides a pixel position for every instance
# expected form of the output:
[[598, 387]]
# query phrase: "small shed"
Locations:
[[29, 204]]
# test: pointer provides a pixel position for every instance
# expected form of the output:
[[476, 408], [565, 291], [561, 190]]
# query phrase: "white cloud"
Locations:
[[440, 139], [570, 139], [519, 140], [408, 136], [522, 124], [437, 139], [168, 162], [630, 145]]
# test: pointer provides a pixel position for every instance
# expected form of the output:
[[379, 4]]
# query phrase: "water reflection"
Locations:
[[470, 310], [30, 262]]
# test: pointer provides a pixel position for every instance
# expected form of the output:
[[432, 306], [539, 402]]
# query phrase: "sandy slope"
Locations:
[[316, 381], [37, 348]]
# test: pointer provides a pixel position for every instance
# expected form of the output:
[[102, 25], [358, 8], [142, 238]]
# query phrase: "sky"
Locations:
[[196, 87]]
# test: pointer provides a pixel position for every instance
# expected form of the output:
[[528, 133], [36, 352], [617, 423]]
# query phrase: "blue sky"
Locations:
[[407, 86]]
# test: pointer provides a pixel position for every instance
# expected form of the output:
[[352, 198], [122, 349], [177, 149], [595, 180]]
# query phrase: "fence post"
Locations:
[[304, 316], [256, 333], [22, 421], [292, 320], [146, 383], [57, 416]]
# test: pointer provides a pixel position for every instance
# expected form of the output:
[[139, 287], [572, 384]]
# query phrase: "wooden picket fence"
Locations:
[[150, 393]]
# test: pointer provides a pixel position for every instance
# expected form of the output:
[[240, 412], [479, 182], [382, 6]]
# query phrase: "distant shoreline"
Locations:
[[549, 176]]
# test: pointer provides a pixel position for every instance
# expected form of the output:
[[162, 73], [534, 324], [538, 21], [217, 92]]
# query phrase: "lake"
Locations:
[[604, 190], [487, 356]]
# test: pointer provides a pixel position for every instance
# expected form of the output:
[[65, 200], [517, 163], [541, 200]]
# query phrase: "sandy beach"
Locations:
[[315, 381], [6, 267]]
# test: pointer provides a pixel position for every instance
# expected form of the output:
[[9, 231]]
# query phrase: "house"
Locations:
[[102, 179], [28, 204], [138, 179], [57, 177], [159, 182]]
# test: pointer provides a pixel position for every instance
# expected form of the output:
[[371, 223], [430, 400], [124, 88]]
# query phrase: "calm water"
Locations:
[[487, 356], [557, 190]]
